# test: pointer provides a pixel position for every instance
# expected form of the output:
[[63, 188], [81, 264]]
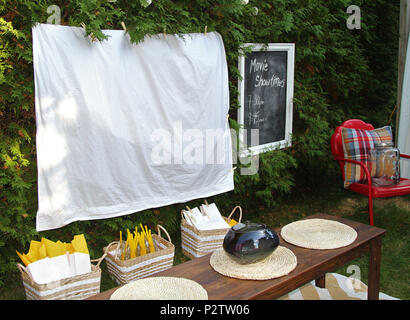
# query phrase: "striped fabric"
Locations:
[[338, 287], [356, 146]]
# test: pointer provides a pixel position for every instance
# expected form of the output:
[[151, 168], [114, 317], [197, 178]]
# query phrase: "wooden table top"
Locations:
[[311, 265]]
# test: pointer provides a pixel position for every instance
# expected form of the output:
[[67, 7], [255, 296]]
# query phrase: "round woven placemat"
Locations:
[[318, 234], [280, 263], [161, 288]]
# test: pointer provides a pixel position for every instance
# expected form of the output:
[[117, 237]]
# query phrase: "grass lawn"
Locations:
[[392, 214]]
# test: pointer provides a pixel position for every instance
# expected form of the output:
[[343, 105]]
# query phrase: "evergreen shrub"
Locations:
[[339, 74]]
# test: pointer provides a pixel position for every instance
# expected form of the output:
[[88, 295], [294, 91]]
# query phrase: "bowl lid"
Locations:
[[248, 226]]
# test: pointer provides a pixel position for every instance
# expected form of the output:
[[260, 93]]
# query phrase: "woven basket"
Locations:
[[125, 271], [73, 288], [196, 243]]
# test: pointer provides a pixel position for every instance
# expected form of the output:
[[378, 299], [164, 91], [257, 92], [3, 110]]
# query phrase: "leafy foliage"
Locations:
[[339, 74]]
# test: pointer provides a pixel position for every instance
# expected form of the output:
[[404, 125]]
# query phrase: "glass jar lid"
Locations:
[[383, 144]]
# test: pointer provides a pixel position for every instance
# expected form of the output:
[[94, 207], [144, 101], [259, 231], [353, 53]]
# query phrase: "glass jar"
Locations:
[[384, 164]]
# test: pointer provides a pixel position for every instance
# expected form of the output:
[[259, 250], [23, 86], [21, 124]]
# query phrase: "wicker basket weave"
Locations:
[[73, 288], [125, 271], [197, 243]]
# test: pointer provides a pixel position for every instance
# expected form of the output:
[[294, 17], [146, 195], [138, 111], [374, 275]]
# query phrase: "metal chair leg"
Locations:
[[370, 208]]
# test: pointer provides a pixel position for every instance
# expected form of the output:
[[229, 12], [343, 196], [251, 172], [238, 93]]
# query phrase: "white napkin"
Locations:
[[215, 218], [196, 218], [79, 263], [60, 267], [49, 269], [208, 218]]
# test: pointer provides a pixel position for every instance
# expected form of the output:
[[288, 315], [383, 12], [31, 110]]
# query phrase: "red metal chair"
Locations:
[[371, 191]]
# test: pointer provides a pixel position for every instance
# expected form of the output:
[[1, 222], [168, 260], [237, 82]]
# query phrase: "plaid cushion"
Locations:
[[356, 146]]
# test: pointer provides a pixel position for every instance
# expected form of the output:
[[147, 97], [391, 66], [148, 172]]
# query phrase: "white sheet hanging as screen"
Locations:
[[404, 122], [124, 127]]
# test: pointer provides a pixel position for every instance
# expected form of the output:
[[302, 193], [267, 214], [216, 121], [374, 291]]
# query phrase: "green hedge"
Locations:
[[339, 74]]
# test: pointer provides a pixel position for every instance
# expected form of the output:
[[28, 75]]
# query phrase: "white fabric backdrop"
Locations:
[[124, 127], [404, 123]]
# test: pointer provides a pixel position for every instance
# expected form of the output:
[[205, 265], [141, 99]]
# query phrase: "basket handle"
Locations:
[[159, 232], [240, 213], [107, 249], [99, 260], [22, 269]]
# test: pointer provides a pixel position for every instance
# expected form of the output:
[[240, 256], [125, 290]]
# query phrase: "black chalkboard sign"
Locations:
[[266, 92]]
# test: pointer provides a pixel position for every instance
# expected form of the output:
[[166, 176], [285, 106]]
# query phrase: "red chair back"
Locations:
[[336, 141]]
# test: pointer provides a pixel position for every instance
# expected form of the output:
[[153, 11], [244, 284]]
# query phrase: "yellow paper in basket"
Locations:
[[79, 244], [61, 247], [33, 251], [69, 247], [46, 248], [42, 252], [52, 248], [80, 256], [232, 222], [24, 258]]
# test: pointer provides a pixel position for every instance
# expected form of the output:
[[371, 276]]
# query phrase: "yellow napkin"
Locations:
[[24, 258], [52, 248], [232, 222], [33, 251], [42, 251], [79, 244], [47, 248]]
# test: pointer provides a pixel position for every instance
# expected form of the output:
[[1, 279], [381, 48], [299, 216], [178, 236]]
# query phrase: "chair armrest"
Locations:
[[364, 167]]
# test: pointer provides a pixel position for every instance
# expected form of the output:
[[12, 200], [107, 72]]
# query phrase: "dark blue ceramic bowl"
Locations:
[[250, 242]]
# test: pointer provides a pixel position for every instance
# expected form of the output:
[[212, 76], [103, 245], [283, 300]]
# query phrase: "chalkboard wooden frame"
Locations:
[[289, 49]]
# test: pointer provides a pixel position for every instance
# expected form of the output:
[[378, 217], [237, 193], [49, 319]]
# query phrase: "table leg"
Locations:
[[374, 268], [321, 282]]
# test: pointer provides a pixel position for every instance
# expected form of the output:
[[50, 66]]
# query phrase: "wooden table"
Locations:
[[312, 265]]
